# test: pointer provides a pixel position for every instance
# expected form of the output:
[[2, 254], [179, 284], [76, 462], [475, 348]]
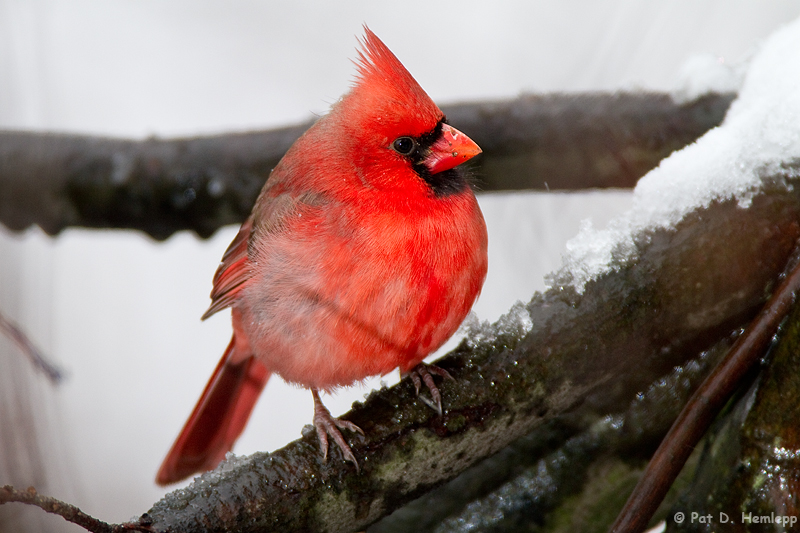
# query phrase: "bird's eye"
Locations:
[[404, 145]]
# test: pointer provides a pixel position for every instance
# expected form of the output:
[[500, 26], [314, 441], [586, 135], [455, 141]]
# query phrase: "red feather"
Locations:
[[233, 271], [218, 418]]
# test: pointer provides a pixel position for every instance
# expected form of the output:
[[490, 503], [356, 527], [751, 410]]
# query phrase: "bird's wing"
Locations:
[[269, 216], [232, 272]]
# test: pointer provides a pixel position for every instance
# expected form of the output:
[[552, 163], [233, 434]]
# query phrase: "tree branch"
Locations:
[[686, 289], [161, 186], [560, 470], [68, 512]]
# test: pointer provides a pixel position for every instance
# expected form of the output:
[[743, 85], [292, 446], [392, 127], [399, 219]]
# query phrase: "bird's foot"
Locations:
[[422, 374], [328, 425]]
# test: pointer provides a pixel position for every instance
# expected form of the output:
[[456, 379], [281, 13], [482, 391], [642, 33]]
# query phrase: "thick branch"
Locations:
[[686, 289], [556, 471], [162, 186]]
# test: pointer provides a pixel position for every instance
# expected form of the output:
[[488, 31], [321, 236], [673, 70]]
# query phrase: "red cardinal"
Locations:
[[364, 252]]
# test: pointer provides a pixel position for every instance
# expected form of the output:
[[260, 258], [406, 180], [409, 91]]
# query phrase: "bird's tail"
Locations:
[[218, 418]]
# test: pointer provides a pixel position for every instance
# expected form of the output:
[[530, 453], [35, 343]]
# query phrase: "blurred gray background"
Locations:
[[120, 312]]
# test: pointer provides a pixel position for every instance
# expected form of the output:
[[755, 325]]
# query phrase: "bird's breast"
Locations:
[[354, 292]]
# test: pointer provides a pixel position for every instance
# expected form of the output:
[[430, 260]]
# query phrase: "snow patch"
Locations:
[[515, 323], [702, 74], [760, 134]]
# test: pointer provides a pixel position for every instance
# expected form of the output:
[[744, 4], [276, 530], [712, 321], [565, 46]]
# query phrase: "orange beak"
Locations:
[[450, 150]]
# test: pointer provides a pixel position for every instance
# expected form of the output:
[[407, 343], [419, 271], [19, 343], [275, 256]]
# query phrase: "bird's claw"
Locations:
[[328, 425], [422, 374]]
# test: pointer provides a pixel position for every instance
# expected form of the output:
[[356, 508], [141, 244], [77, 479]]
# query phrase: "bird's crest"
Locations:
[[383, 82]]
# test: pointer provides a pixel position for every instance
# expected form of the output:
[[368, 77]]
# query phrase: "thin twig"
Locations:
[[69, 512], [696, 416], [27, 347]]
